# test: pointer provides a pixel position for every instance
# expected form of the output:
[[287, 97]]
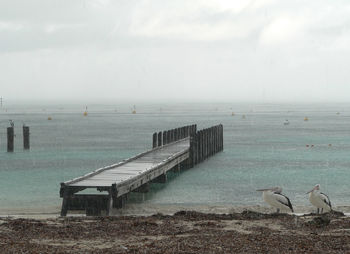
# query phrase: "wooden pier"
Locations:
[[175, 149]]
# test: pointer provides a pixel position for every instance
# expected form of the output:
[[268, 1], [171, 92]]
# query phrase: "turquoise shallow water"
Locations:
[[259, 151]]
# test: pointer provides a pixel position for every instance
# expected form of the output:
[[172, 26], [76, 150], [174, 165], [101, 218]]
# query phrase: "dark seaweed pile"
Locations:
[[184, 232]]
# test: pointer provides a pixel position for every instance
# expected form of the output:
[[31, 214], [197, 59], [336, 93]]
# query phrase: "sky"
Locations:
[[179, 50]]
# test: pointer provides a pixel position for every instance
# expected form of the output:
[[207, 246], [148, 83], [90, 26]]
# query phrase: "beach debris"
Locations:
[[239, 233], [319, 221], [123, 247]]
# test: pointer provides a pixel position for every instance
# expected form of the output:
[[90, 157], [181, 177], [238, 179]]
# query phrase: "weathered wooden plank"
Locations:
[[129, 185], [98, 171]]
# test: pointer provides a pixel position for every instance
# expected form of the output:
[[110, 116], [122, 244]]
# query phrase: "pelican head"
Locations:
[[316, 187], [273, 189]]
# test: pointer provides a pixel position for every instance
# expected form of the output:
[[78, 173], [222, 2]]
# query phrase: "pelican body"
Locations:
[[275, 198], [320, 200]]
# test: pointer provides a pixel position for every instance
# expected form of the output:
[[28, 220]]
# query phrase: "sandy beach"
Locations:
[[183, 232]]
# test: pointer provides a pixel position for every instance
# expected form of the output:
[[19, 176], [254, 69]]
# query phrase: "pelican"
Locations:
[[319, 199], [275, 198]]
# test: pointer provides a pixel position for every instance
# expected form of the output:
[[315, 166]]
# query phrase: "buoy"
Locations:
[[49, 118], [306, 118], [85, 113]]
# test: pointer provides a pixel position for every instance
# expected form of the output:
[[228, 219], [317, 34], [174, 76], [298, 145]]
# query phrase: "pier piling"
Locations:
[[10, 139], [26, 144], [160, 138], [154, 143]]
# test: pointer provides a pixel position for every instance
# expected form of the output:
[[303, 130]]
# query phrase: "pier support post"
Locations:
[[200, 144], [168, 140], [193, 149], [164, 138], [64, 208], [221, 137], [211, 141], [119, 202], [160, 179], [26, 144], [177, 134], [172, 135], [154, 143], [216, 139], [160, 138], [144, 188], [10, 139]]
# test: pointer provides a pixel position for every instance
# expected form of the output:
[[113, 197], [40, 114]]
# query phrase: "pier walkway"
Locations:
[[176, 149]]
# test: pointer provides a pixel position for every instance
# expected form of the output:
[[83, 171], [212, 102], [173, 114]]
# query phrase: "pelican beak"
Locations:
[[263, 189], [310, 190]]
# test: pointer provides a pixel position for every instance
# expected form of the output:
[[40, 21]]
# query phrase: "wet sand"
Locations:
[[182, 232]]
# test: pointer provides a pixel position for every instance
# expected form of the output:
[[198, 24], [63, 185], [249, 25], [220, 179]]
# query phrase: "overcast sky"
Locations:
[[201, 50]]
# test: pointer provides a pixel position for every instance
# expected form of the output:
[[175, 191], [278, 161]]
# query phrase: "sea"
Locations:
[[294, 146]]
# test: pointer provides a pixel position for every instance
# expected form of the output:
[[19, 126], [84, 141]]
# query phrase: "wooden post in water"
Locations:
[[211, 140], [216, 139], [221, 137], [10, 139], [201, 145], [165, 138], [168, 139], [26, 144], [207, 143], [154, 145], [176, 134], [172, 135], [160, 138], [193, 149]]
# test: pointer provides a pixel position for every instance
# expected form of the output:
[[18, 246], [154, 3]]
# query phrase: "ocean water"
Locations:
[[259, 151]]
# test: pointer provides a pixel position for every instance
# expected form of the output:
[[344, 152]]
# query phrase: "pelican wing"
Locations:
[[326, 199], [283, 200]]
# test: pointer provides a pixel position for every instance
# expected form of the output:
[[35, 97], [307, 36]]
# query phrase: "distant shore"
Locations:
[[183, 232]]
